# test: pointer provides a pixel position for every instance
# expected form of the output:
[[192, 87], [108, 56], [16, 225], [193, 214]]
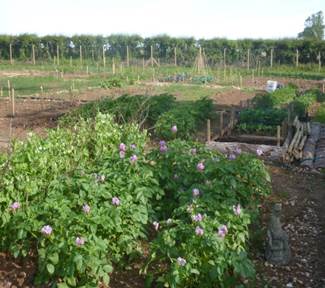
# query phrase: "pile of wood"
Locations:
[[320, 150], [296, 139], [309, 151]]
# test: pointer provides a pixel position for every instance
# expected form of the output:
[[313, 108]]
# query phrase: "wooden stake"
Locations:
[[271, 60], [278, 135], [87, 70], [175, 56], [319, 62], [42, 90], [57, 54], [323, 88], [240, 81], [248, 58], [127, 56], [70, 61], [297, 58], [13, 101], [208, 130], [142, 64], [224, 58], [80, 54], [9, 88], [10, 54], [221, 123], [151, 55], [33, 54], [113, 66], [1, 92], [104, 57]]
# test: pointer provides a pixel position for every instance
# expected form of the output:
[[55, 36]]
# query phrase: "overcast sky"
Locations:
[[232, 19]]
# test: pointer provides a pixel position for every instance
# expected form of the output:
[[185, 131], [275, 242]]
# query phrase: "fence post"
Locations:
[[57, 54], [104, 57], [208, 130], [80, 54], [248, 58], [175, 56], [271, 60], [297, 58], [127, 56], [221, 123], [13, 101], [319, 62], [9, 88], [10, 54], [278, 135], [33, 54]]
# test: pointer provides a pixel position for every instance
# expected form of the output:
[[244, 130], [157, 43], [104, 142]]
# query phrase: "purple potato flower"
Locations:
[[163, 148], [238, 150], [181, 261], [122, 154], [14, 206], [196, 192], [237, 209], [47, 230], [222, 231], [122, 147], [116, 201], [200, 166], [199, 231], [133, 158], [259, 152], [162, 143], [232, 157], [80, 241], [133, 146], [197, 218], [174, 129], [86, 208], [156, 225]]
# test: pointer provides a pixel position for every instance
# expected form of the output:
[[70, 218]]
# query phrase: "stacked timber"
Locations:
[[309, 150], [294, 144], [320, 150]]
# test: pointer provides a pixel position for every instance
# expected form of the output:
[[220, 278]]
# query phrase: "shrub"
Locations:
[[320, 114], [283, 96], [72, 194]]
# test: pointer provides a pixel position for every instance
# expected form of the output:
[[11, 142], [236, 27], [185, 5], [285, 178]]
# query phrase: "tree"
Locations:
[[314, 27]]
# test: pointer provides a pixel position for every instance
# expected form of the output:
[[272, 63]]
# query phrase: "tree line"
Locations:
[[217, 51]]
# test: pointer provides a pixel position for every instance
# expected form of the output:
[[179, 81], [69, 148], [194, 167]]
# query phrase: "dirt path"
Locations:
[[303, 200]]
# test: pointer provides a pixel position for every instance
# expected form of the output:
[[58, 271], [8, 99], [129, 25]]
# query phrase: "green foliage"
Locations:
[[263, 101], [186, 116], [53, 178], [211, 261], [302, 103], [126, 108], [314, 27], [320, 115], [111, 83], [202, 79], [283, 96]]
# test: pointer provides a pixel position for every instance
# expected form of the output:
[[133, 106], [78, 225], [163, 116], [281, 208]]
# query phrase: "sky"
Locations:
[[232, 19]]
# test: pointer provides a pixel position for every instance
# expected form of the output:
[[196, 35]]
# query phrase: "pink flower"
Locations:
[[86, 208], [174, 129], [162, 143], [156, 225], [199, 231], [116, 201], [200, 167], [14, 206], [122, 147], [122, 154], [237, 209], [222, 231], [181, 261], [196, 192], [259, 152], [238, 150], [133, 158], [163, 148], [133, 146], [47, 230], [80, 241], [197, 218], [232, 157]]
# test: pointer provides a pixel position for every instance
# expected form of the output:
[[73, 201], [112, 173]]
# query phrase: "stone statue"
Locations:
[[277, 246]]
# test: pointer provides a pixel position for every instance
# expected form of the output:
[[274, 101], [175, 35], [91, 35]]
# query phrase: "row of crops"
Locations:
[[93, 195], [271, 109]]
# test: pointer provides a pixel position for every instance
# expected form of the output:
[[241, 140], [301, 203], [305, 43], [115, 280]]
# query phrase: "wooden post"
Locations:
[[104, 57], [323, 88], [319, 62], [113, 66], [208, 130], [87, 70], [80, 54], [221, 123], [297, 58], [127, 56], [271, 60], [248, 58], [10, 54], [70, 61], [278, 135], [42, 90], [253, 77], [9, 88], [13, 101], [224, 58], [175, 56], [151, 55], [1, 92], [142, 64], [240, 81], [232, 118], [57, 54], [33, 54]]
